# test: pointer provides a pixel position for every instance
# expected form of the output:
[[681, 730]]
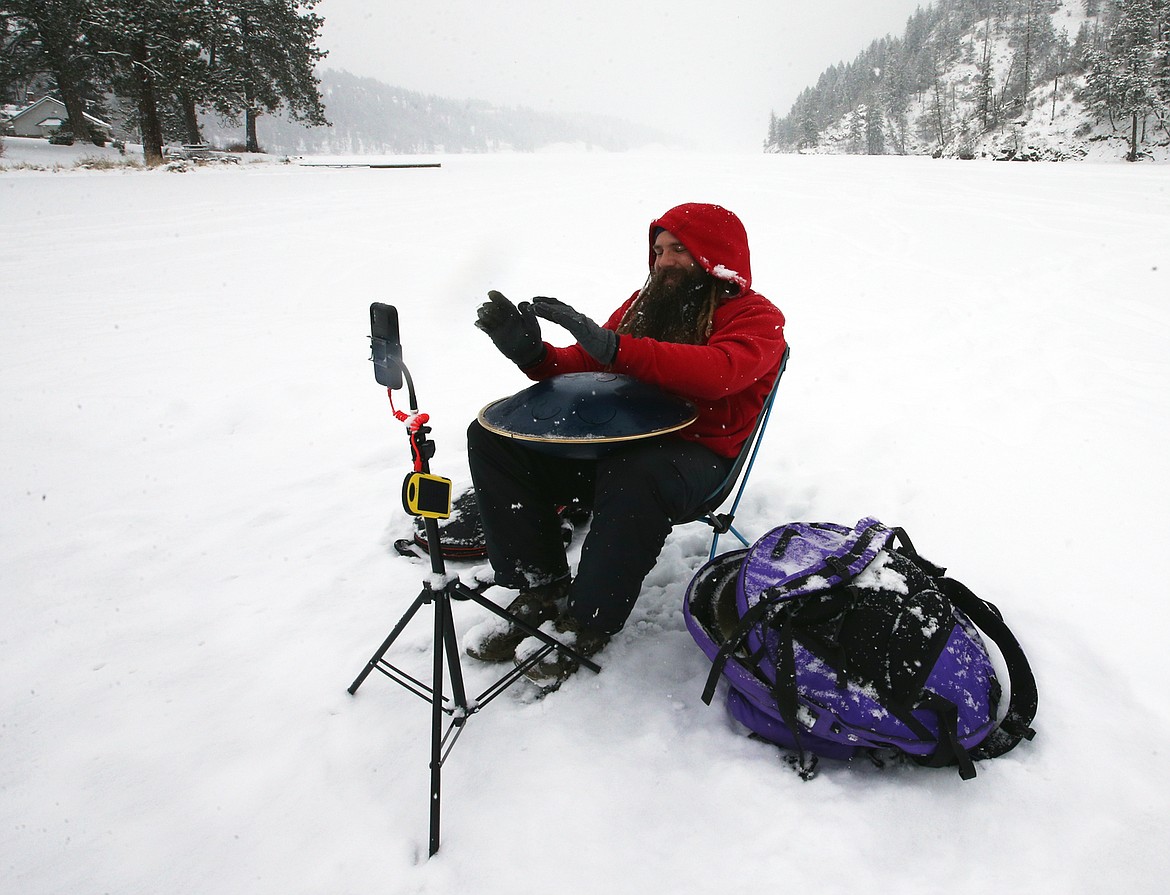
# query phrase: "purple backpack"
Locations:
[[838, 641]]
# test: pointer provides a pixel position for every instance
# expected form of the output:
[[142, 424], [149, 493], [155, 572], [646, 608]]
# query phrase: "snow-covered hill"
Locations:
[[945, 116]]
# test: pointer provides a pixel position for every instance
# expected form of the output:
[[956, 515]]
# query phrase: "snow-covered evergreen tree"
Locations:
[[1126, 74]]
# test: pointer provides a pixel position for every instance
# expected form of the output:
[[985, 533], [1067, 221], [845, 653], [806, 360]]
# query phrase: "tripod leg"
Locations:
[[442, 611], [444, 632], [454, 665], [423, 597]]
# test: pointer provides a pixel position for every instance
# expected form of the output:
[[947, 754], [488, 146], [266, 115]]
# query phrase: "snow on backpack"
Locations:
[[838, 641]]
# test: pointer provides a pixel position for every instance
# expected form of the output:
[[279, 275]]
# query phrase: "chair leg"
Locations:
[[741, 538], [715, 541]]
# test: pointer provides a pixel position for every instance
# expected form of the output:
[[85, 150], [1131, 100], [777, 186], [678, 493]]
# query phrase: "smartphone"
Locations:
[[386, 344]]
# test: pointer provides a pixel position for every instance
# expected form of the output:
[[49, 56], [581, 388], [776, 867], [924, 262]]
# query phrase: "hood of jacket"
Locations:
[[714, 236]]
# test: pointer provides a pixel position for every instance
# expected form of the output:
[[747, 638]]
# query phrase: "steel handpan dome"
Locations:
[[584, 415]]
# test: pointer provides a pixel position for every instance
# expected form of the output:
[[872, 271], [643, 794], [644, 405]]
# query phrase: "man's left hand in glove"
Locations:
[[600, 343]]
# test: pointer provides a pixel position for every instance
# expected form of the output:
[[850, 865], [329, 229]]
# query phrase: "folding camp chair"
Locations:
[[709, 511]]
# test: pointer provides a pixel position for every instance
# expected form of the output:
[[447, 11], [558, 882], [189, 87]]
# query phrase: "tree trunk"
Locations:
[[1027, 55], [152, 139], [985, 92], [190, 117], [942, 136], [1133, 144], [59, 58], [75, 109], [250, 116], [1007, 80]]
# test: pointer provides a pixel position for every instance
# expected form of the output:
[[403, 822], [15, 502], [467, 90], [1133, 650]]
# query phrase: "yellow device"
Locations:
[[427, 495]]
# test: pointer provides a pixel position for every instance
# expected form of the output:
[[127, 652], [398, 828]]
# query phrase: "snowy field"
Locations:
[[200, 487]]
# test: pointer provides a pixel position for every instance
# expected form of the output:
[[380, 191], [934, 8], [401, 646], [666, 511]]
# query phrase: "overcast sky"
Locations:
[[720, 64]]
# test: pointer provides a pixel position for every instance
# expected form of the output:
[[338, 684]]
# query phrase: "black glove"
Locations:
[[515, 331], [600, 343]]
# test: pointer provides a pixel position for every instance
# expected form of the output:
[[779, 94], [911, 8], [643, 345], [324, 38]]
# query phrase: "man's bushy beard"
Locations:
[[670, 306]]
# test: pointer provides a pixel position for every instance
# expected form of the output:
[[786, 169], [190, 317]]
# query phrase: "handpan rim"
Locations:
[[674, 413]]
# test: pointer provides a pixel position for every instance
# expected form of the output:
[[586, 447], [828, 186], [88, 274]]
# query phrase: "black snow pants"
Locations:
[[637, 493]]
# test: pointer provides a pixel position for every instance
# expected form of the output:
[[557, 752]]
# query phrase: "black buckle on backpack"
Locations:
[[840, 568]]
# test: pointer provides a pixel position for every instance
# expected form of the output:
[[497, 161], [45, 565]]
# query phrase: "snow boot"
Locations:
[[496, 640], [555, 668]]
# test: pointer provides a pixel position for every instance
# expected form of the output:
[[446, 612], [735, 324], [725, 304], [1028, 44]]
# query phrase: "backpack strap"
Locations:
[[907, 550], [784, 693], [733, 642], [1016, 724], [950, 751], [783, 690]]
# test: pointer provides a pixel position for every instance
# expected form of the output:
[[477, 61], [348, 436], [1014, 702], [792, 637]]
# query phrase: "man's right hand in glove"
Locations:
[[515, 331]]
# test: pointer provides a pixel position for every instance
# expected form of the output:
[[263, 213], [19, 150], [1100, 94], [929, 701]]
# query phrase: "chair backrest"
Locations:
[[739, 472]]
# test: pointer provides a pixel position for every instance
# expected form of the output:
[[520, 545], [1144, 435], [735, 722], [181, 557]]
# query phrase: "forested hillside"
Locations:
[[369, 116], [1024, 79]]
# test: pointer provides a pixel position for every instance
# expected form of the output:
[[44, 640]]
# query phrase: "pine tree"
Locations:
[[265, 54], [855, 145], [138, 37], [185, 67], [985, 97], [773, 141], [48, 36], [875, 140], [13, 50], [1124, 77], [1083, 47], [895, 94], [1161, 60], [1029, 31]]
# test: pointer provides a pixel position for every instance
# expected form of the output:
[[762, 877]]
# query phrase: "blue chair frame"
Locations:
[[722, 523]]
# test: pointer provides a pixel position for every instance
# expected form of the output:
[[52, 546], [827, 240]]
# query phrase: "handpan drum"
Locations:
[[585, 415]]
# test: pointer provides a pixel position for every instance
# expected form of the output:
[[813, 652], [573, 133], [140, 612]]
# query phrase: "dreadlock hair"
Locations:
[[684, 314]]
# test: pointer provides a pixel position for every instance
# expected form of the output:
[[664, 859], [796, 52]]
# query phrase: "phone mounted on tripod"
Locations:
[[386, 345], [423, 494]]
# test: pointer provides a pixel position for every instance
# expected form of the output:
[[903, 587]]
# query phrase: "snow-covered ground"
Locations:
[[29, 153], [35, 154], [200, 486]]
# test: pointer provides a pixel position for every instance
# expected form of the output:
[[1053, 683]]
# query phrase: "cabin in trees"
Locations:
[[45, 117]]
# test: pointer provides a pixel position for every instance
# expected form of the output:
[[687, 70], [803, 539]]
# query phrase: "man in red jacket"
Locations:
[[695, 329]]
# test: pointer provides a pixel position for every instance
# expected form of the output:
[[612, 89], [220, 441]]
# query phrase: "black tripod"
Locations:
[[457, 706]]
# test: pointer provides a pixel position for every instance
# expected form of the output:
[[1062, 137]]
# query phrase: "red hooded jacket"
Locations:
[[729, 377]]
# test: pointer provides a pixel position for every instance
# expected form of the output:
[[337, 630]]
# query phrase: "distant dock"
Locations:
[[370, 164]]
